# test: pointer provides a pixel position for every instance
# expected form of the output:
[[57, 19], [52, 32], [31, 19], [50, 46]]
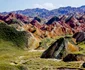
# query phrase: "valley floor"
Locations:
[[30, 60]]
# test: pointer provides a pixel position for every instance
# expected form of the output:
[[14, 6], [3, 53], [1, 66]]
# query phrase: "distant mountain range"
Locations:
[[44, 13]]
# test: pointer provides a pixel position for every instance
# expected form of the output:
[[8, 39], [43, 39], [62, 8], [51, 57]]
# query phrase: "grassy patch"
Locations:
[[8, 33], [30, 60]]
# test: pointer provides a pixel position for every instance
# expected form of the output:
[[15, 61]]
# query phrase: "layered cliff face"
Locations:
[[56, 26], [12, 17], [64, 24]]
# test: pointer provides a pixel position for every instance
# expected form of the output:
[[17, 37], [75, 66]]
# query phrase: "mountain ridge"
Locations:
[[44, 13]]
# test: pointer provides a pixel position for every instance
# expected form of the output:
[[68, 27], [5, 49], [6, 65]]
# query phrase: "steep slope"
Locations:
[[20, 39], [54, 19], [56, 26]]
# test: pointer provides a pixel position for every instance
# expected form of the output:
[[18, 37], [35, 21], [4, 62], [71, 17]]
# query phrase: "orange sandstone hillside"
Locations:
[[56, 26]]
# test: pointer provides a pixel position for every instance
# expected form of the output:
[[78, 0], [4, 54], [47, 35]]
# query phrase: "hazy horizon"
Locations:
[[13, 5]]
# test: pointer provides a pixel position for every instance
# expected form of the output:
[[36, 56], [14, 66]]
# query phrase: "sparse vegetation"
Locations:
[[19, 36], [45, 43], [14, 58], [8, 33], [30, 60]]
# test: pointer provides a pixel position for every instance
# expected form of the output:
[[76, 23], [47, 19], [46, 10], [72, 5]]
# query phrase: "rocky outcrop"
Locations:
[[52, 51], [54, 19], [74, 57], [70, 57], [59, 49], [79, 36]]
